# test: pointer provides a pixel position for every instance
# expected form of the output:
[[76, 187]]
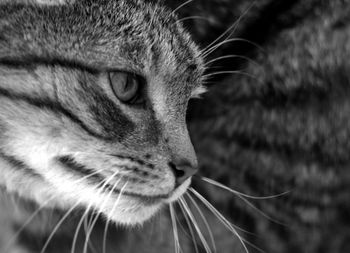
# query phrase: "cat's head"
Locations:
[[93, 98]]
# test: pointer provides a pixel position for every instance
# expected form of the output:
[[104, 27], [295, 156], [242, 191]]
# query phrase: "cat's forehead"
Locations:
[[152, 40], [99, 34]]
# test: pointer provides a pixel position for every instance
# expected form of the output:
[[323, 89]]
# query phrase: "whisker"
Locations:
[[243, 197], [60, 222], [40, 208], [230, 56], [204, 220], [112, 210], [233, 26], [221, 218], [179, 222], [189, 18], [194, 222], [215, 211], [190, 227], [175, 232], [93, 222], [87, 226], [62, 219], [82, 220], [212, 49], [180, 6], [77, 230], [87, 211], [231, 72], [226, 223], [26, 223], [222, 186]]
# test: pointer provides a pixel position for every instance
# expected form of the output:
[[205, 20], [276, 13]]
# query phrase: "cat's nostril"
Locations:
[[177, 173], [182, 170]]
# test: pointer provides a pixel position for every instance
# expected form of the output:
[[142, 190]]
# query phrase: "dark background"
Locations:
[[281, 124]]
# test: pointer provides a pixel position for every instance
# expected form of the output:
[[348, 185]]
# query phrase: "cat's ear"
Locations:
[[40, 2]]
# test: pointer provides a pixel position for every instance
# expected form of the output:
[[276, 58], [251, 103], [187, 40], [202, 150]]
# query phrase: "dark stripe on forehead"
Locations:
[[30, 62], [52, 106]]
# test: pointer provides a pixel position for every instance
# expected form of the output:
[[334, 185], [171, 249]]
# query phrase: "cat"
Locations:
[[93, 98]]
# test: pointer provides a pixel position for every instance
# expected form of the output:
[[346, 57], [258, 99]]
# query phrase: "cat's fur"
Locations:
[[60, 121]]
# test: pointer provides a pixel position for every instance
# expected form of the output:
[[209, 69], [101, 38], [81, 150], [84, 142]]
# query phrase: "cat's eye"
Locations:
[[127, 87]]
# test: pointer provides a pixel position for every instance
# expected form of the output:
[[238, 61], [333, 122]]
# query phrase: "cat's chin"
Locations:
[[136, 216], [140, 210]]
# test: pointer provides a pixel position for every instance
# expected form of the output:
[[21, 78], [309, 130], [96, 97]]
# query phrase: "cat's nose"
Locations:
[[183, 169]]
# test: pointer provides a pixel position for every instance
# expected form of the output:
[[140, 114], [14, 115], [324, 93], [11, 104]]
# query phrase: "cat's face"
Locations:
[[93, 99]]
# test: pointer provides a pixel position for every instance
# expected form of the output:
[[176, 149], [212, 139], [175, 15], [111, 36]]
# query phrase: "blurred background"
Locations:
[[276, 119]]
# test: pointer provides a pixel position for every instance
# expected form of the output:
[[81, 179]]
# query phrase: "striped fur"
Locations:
[[60, 121]]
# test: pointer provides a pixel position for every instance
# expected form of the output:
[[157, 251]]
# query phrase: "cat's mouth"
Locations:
[[139, 208], [149, 200], [144, 199], [125, 201]]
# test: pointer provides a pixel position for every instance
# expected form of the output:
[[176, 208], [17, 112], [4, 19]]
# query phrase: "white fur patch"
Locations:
[[198, 92]]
